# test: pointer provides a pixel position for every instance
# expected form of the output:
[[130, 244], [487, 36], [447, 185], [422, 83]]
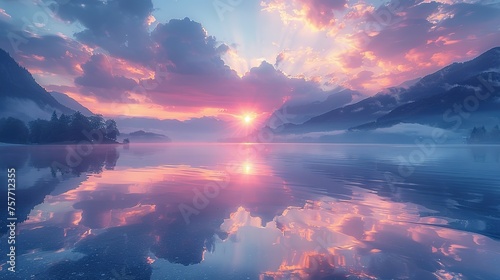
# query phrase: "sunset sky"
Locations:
[[236, 58]]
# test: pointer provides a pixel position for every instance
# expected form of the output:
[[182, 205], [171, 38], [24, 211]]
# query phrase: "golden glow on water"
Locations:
[[247, 167]]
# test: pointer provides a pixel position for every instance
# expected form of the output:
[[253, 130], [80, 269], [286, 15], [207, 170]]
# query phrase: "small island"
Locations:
[[142, 136]]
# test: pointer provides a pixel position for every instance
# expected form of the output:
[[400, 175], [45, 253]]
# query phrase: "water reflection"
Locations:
[[40, 170], [272, 212]]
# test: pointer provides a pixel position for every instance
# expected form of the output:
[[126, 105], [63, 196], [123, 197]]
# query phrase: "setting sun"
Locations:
[[247, 119]]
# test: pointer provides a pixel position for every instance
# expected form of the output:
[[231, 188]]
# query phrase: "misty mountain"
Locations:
[[21, 96], [423, 101], [71, 103], [299, 113], [142, 136], [468, 103], [348, 116]]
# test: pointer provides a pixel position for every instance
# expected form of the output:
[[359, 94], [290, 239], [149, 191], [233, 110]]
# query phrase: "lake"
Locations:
[[253, 211]]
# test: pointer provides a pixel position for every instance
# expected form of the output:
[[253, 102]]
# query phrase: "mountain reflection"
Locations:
[[272, 217]]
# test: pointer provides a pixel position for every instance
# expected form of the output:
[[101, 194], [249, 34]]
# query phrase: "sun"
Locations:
[[247, 119]]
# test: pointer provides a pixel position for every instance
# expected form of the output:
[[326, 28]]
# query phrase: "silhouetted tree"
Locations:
[[478, 135], [39, 131], [55, 134], [111, 130], [13, 130], [79, 123], [97, 122], [63, 127], [481, 136], [71, 128]]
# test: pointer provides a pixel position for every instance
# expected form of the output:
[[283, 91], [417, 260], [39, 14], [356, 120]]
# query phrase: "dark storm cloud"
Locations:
[[98, 74], [120, 27]]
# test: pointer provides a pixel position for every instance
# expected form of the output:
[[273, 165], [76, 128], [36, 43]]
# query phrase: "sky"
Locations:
[[232, 59]]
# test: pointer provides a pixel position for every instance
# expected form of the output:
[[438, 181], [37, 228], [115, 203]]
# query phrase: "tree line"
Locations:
[[65, 128]]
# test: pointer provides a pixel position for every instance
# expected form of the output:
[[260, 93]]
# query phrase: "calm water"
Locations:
[[235, 211]]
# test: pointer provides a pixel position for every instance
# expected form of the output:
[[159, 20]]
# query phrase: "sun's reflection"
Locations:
[[247, 167]]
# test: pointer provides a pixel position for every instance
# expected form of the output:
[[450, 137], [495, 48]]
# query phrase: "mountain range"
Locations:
[[427, 102]]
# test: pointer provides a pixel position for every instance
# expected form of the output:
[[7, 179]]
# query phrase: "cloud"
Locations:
[[4, 14], [280, 58], [190, 73], [262, 87], [97, 73], [54, 54], [402, 40], [320, 12], [317, 13], [178, 67], [361, 79], [403, 36], [120, 27], [186, 48], [397, 41], [352, 59]]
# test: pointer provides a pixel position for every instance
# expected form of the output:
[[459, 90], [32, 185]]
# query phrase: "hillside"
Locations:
[[21, 96], [71, 103]]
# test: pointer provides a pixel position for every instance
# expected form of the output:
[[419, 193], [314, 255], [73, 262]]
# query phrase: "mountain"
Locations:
[[301, 112], [348, 116], [71, 103], [426, 100], [146, 137], [443, 109], [21, 96]]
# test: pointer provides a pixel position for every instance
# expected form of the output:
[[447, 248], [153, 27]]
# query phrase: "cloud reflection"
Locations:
[[274, 222]]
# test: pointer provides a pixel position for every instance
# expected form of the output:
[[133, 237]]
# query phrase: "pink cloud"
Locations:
[[318, 13], [4, 14], [406, 40]]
